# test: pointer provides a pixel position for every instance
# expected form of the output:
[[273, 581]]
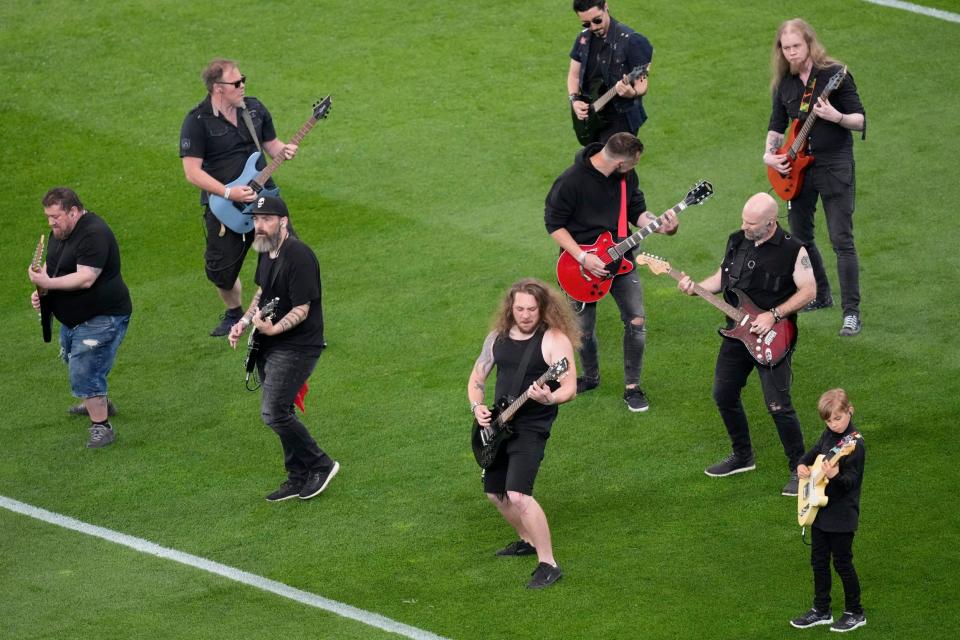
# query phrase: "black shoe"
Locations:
[[818, 303], [227, 320], [518, 548], [636, 400], [730, 465], [317, 481], [811, 619], [286, 491], [848, 622], [851, 326], [792, 486], [586, 384], [544, 576], [81, 410]]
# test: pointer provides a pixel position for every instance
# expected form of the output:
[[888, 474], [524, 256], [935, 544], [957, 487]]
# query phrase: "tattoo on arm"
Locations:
[[484, 363], [805, 262], [254, 303], [296, 316], [774, 140]]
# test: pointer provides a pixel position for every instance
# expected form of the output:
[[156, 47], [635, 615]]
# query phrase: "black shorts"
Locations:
[[225, 252], [517, 463]]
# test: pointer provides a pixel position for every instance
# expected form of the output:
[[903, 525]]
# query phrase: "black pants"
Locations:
[[839, 545], [734, 365], [283, 373], [833, 181]]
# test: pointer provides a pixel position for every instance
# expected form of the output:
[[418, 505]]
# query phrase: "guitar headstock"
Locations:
[[557, 370], [848, 444], [320, 109], [38, 255], [658, 265], [638, 72], [700, 192], [267, 310], [836, 80]]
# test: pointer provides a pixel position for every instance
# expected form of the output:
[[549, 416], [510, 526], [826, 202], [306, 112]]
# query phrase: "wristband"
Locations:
[[573, 97], [582, 257], [474, 405], [776, 314], [226, 193]]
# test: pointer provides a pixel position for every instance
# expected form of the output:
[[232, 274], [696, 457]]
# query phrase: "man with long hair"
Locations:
[[534, 325], [603, 55], [801, 69], [584, 202], [216, 139]]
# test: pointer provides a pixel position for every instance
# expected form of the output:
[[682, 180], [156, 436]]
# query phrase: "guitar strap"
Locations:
[[808, 91], [247, 121], [522, 367], [733, 276], [622, 224]]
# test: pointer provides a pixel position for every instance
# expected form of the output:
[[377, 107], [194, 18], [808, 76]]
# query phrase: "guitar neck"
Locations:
[[507, 413], [264, 175], [801, 138], [633, 240], [728, 309]]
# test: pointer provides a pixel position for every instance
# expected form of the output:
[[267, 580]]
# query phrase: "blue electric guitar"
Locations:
[[230, 213]]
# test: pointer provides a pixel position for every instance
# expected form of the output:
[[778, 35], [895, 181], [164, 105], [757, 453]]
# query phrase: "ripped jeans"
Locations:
[[628, 295], [89, 350], [734, 365]]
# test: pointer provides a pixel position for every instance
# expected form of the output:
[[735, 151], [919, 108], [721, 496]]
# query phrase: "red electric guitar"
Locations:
[[583, 286], [768, 349], [788, 185]]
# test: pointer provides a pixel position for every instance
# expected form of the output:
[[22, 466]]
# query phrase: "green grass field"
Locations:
[[422, 195]]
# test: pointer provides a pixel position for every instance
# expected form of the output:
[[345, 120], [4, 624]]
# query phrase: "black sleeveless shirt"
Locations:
[[507, 353], [764, 273]]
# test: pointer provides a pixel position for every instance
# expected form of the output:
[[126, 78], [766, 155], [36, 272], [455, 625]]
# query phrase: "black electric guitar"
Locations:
[[45, 314], [487, 440], [588, 129], [267, 312]]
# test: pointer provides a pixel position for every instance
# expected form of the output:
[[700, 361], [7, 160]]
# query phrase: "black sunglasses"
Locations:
[[597, 20], [236, 83]]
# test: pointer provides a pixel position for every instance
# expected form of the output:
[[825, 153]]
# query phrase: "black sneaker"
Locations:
[[636, 400], [586, 384], [851, 326], [518, 548], [317, 481], [544, 576], [730, 465], [848, 622], [227, 320], [286, 491], [811, 619], [792, 486], [101, 435], [81, 410], [817, 304]]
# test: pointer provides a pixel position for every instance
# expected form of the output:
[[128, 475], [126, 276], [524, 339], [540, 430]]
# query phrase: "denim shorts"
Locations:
[[89, 350]]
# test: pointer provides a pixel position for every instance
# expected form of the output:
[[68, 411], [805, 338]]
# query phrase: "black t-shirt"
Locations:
[[294, 277], [586, 203], [842, 511], [825, 137], [91, 244], [223, 146]]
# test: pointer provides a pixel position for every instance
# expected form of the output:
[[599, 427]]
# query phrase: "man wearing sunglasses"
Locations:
[[603, 54], [215, 142]]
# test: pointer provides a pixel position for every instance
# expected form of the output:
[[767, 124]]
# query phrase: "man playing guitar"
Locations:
[[774, 271], [215, 142], [585, 201]]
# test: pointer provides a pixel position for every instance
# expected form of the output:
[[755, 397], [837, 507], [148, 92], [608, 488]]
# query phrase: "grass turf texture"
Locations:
[[422, 196]]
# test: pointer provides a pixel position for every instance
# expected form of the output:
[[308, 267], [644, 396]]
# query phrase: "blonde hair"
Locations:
[[555, 313], [779, 67], [833, 401]]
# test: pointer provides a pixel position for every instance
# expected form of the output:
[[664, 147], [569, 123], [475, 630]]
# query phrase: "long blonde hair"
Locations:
[[779, 67], [555, 313]]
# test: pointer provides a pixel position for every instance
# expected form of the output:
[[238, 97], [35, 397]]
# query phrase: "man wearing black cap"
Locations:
[[287, 269]]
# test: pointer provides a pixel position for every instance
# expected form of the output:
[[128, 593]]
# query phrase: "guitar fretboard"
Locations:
[[617, 251], [729, 310], [264, 175]]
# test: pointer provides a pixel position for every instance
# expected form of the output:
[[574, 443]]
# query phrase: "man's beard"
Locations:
[[266, 243]]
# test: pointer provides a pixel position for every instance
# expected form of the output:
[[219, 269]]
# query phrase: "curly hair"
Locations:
[[779, 67], [555, 313]]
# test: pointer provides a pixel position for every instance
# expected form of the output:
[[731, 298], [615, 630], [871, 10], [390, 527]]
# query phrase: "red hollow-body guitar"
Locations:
[[788, 185], [768, 349], [583, 286]]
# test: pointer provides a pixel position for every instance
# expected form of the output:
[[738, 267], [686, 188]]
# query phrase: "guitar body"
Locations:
[[231, 213], [588, 130], [788, 186], [812, 494], [768, 349], [487, 445], [580, 284]]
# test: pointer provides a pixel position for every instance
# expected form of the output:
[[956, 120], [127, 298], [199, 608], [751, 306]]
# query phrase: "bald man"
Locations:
[[774, 271]]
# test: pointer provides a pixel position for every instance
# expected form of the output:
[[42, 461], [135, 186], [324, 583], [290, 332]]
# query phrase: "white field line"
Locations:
[[243, 577], [916, 8]]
